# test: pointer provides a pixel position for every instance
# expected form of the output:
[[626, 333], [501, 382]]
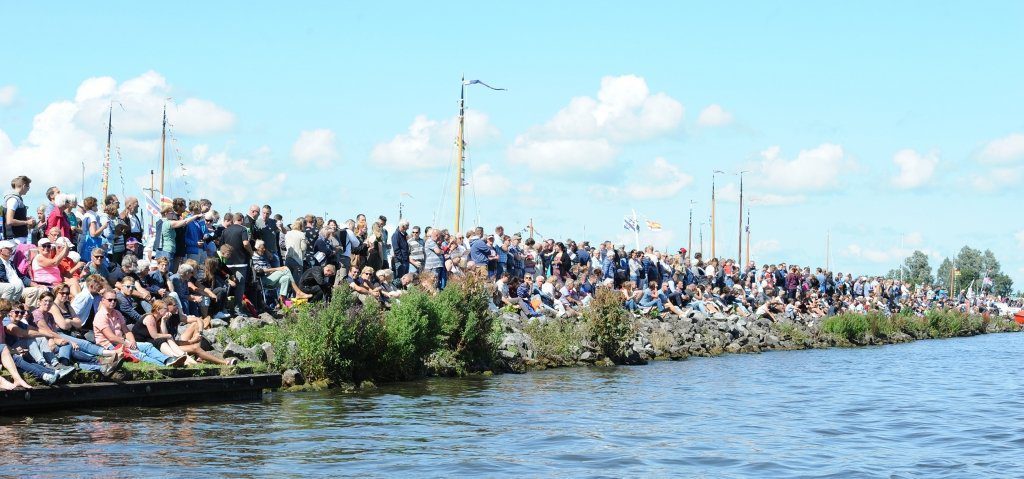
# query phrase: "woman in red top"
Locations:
[[59, 215]]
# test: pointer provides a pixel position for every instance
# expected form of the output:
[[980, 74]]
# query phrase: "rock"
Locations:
[[237, 322], [218, 323], [292, 377], [267, 318], [293, 348], [235, 350], [733, 347], [268, 352], [210, 335], [586, 356]]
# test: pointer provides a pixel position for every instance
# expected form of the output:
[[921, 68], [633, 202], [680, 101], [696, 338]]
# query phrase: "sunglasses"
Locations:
[[110, 299], [65, 293]]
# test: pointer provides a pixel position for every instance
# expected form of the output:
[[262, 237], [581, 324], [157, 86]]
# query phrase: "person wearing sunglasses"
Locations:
[[22, 338], [111, 332], [6, 358]]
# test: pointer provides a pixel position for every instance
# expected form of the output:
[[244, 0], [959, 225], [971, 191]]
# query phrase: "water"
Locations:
[[949, 408]]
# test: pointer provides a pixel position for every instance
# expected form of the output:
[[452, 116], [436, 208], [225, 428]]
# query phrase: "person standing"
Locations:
[[400, 245], [416, 254], [435, 258], [237, 236], [16, 221]]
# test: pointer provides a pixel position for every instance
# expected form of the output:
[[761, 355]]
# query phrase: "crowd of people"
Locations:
[[85, 284]]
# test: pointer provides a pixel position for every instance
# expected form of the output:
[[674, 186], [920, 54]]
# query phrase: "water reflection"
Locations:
[[937, 408]]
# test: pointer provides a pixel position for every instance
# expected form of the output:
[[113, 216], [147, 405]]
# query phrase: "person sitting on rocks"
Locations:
[[112, 332], [652, 297], [365, 286], [186, 331]]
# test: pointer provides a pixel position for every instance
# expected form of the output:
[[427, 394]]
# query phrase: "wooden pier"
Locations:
[[163, 392]]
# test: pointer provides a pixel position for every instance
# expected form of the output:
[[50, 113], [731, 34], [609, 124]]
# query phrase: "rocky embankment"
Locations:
[[539, 343], [527, 344]]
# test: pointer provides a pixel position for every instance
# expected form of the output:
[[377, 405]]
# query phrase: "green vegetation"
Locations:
[[855, 328], [557, 338], [611, 326], [348, 342]]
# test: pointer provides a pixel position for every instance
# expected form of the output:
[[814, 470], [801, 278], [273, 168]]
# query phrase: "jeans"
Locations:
[[150, 354], [652, 302], [699, 306], [38, 349], [86, 355], [241, 277], [401, 268], [35, 369], [442, 277], [281, 279]]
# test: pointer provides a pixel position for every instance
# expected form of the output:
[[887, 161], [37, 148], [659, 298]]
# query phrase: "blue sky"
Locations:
[[885, 123]]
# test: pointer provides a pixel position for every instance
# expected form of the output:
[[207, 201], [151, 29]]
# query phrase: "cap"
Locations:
[[7, 244], [682, 251], [74, 256], [44, 241], [132, 240]]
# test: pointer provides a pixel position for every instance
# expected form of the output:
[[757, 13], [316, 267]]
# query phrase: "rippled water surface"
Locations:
[[949, 408]]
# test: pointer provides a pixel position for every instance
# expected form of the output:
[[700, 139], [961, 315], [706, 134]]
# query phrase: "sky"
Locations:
[[866, 130]]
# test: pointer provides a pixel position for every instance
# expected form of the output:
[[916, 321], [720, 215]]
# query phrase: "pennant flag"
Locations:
[[653, 225], [631, 225], [475, 82]]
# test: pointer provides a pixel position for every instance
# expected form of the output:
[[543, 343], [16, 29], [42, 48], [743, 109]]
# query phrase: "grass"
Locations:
[[557, 338]]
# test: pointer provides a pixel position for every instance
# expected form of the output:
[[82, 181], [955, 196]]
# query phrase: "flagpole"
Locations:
[[636, 231], [713, 211], [739, 241], [106, 160], [748, 238], [689, 240], [163, 149], [460, 145]]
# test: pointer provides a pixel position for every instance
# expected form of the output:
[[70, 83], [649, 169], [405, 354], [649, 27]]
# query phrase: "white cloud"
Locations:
[[7, 95], [487, 182], [68, 133], [1007, 149], [586, 133], [913, 239], [233, 181], [764, 247], [915, 169], [1020, 238], [714, 115], [812, 170], [997, 178], [315, 146], [430, 143], [657, 181], [894, 254]]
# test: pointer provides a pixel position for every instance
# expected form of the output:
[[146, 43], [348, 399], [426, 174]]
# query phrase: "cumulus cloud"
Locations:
[[997, 178], [1008, 149], [487, 182], [893, 254], [429, 144], [315, 146], [764, 247], [812, 170], [233, 181], [7, 95], [657, 181], [70, 133], [915, 169], [586, 133], [714, 115]]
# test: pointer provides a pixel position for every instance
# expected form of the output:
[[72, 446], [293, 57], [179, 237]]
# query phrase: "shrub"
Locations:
[[610, 325], [945, 323], [411, 329], [465, 322], [880, 325], [556, 337], [848, 326]]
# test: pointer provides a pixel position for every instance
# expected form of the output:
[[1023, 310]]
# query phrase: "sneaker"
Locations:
[[65, 373], [221, 315], [176, 362], [50, 378], [111, 367]]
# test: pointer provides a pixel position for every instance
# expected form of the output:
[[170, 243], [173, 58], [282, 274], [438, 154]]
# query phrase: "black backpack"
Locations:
[[158, 240]]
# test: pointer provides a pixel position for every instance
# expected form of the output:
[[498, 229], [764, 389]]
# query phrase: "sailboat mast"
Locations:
[[163, 150], [461, 146], [739, 241], [748, 238], [106, 160]]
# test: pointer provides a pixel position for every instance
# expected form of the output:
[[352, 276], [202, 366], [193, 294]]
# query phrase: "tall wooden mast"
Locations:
[[163, 150], [106, 160], [461, 148]]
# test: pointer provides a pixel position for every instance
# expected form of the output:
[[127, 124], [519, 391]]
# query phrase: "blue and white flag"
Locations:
[[631, 225], [474, 82]]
